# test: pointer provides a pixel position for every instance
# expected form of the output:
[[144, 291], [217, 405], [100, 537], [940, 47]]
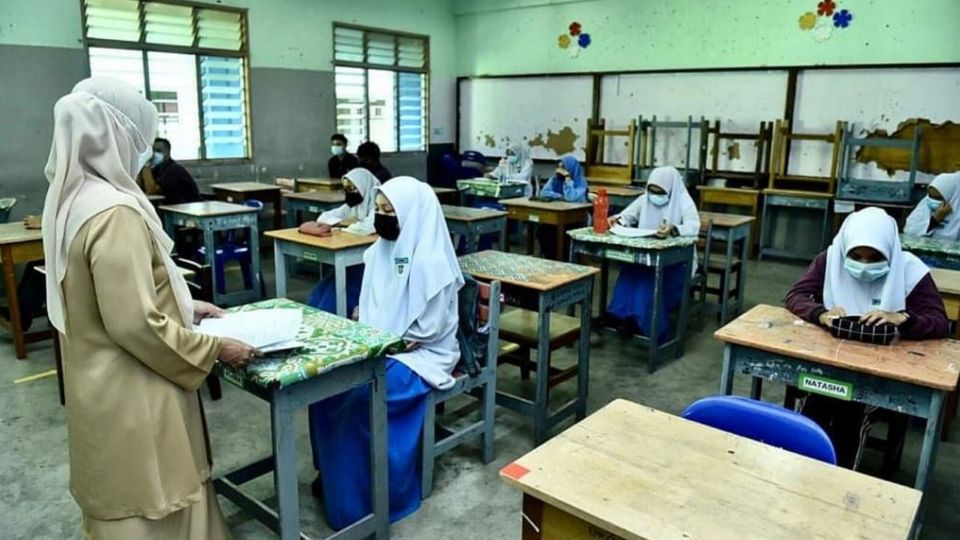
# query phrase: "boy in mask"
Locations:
[[341, 162], [176, 183]]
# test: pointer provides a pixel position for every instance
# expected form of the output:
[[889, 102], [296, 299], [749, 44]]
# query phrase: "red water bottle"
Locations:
[[601, 211]]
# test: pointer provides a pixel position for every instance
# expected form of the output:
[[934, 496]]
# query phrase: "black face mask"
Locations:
[[353, 198], [388, 227]]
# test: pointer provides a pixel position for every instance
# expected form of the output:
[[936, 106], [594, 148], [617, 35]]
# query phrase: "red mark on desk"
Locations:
[[514, 471]]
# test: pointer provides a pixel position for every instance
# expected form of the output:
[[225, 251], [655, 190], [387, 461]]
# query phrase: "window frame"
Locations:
[[424, 70], [194, 50]]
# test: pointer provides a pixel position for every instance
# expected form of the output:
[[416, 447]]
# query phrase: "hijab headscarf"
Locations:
[[522, 151], [870, 227], [572, 166], [403, 275], [103, 133], [919, 220], [669, 180], [366, 183]]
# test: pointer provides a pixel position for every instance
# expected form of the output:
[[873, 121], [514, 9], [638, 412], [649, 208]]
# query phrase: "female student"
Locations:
[[864, 272], [567, 184], [936, 215], [355, 216], [667, 207], [515, 166], [409, 288]]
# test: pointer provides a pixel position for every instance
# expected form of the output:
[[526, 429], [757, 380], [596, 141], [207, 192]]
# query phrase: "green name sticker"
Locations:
[[618, 255], [825, 387], [310, 256]]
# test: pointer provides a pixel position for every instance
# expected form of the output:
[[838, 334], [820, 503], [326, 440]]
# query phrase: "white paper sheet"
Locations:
[[260, 329], [632, 232]]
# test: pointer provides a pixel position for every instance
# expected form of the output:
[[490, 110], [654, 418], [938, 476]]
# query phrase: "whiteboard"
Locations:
[[739, 99], [871, 99], [548, 113]]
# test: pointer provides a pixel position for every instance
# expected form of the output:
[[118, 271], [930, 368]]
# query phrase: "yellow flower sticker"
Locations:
[[563, 41], [808, 21]]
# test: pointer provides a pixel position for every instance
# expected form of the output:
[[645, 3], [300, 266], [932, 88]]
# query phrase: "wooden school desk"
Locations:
[[156, 199], [818, 203], [238, 192], [212, 216], [18, 245], [446, 195], [341, 249], [562, 214], [909, 377], [620, 196], [472, 223], [652, 252], [632, 472], [312, 203], [338, 355], [935, 252], [317, 184], [730, 229], [543, 286], [714, 196]]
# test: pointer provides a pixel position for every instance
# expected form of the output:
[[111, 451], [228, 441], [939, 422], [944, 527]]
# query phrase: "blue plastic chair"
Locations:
[[764, 422], [232, 249], [476, 157]]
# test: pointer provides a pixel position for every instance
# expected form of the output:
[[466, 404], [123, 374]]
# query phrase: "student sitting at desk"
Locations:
[[356, 216], [341, 162], [936, 215], [175, 182], [667, 207], [516, 166], [568, 184], [369, 156], [409, 288], [864, 272]]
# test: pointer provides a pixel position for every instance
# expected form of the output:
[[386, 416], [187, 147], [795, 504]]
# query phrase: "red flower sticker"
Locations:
[[826, 8], [575, 28]]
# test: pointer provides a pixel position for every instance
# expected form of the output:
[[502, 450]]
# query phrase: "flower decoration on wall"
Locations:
[[842, 18], [821, 23], [563, 41], [826, 8], [808, 21], [574, 36], [575, 28], [584, 40]]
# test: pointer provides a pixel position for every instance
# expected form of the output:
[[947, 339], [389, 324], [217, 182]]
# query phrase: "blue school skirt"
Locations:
[[340, 436], [633, 296], [324, 295]]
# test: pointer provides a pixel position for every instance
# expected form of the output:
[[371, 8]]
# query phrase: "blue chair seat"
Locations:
[[232, 249]]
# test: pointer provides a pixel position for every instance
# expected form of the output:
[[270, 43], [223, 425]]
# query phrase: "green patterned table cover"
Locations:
[[586, 234], [931, 245], [520, 268], [482, 187], [330, 342]]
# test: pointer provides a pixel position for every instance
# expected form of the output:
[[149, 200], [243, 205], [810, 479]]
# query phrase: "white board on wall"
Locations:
[[739, 99], [548, 113], [871, 99]]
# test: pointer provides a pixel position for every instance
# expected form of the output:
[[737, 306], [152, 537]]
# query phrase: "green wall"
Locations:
[[520, 36]]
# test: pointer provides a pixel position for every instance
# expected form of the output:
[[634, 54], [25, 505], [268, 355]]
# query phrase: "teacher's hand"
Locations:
[[205, 310], [236, 353]]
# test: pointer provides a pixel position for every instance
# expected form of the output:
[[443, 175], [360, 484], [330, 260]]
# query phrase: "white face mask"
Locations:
[[144, 157], [157, 159], [336, 150], [659, 199]]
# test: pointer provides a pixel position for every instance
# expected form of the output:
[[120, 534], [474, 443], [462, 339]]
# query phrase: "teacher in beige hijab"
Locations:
[[139, 459]]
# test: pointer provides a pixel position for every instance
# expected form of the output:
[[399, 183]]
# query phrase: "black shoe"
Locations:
[[316, 487]]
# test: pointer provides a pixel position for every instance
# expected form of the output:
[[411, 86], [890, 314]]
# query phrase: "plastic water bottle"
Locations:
[[601, 211]]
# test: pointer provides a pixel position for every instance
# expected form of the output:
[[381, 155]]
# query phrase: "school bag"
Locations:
[[470, 335]]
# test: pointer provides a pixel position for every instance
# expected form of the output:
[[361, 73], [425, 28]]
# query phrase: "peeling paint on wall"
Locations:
[[939, 147], [489, 141], [733, 151], [561, 142]]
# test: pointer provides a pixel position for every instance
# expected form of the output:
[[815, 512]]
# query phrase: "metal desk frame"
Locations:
[[340, 259], [295, 206], [731, 235], [473, 229], [814, 203]]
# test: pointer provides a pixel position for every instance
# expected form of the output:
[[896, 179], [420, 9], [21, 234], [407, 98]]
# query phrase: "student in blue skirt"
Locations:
[[410, 288], [667, 208]]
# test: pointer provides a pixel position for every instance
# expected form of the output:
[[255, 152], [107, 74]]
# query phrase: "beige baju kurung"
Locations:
[[139, 464]]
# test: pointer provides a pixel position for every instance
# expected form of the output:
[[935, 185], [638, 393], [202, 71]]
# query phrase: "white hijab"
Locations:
[[919, 220], [651, 216], [402, 276], [870, 227], [366, 183], [102, 136]]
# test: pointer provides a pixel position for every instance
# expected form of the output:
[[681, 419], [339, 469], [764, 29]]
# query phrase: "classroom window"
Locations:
[[188, 59], [381, 87]]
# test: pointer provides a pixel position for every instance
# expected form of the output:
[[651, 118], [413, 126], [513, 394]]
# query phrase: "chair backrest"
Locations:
[[784, 137], [705, 240], [254, 203], [595, 165], [479, 328], [201, 283], [476, 157], [764, 422]]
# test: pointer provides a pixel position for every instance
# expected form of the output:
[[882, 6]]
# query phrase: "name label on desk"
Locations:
[[533, 218], [313, 209], [622, 256], [825, 387], [310, 256]]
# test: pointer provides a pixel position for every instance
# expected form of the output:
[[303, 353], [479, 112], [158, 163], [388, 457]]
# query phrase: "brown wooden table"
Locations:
[[310, 202], [238, 192], [18, 245], [318, 184], [562, 214], [447, 195]]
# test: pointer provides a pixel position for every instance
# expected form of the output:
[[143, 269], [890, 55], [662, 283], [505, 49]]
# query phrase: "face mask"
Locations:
[[353, 198], [336, 150], [933, 204], [513, 159], [658, 199], [157, 159], [866, 271], [388, 227]]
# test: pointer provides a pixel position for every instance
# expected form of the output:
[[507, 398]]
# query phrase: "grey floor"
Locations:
[[469, 501]]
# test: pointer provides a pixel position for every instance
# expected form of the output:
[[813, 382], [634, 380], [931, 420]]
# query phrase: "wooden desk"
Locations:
[[212, 216], [935, 252], [238, 192], [341, 249], [785, 198], [317, 184], [620, 196], [542, 286], [712, 196], [447, 195], [948, 283], [472, 223], [651, 252], [730, 229], [310, 202], [632, 472], [156, 199], [559, 213], [909, 377], [18, 245]]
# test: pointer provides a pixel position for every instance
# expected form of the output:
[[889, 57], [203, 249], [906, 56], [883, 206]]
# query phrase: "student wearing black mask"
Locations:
[[369, 156], [341, 162], [176, 183]]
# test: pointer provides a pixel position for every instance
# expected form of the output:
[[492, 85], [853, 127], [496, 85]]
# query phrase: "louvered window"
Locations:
[[189, 59]]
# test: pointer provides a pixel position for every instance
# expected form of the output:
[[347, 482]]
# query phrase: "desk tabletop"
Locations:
[[523, 270], [208, 209], [155, 198], [620, 191], [932, 245], [443, 190], [329, 342], [331, 197], [338, 240], [321, 181], [557, 206], [16, 233], [726, 221], [932, 364], [465, 213], [586, 234], [245, 187], [724, 188], [948, 281], [640, 473], [797, 193]]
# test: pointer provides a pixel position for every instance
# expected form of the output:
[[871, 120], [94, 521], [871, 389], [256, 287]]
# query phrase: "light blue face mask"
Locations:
[[866, 271], [157, 159], [513, 159], [658, 199], [933, 204]]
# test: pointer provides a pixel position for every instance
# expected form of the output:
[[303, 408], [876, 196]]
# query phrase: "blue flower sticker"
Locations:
[[584, 40], [842, 18]]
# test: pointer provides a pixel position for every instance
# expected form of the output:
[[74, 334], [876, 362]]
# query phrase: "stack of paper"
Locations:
[[268, 330], [632, 232]]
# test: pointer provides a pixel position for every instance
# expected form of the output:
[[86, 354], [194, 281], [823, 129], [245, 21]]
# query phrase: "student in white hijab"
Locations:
[[139, 466], [516, 166], [410, 288], [865, 272], [667, 208], [936, 215]]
